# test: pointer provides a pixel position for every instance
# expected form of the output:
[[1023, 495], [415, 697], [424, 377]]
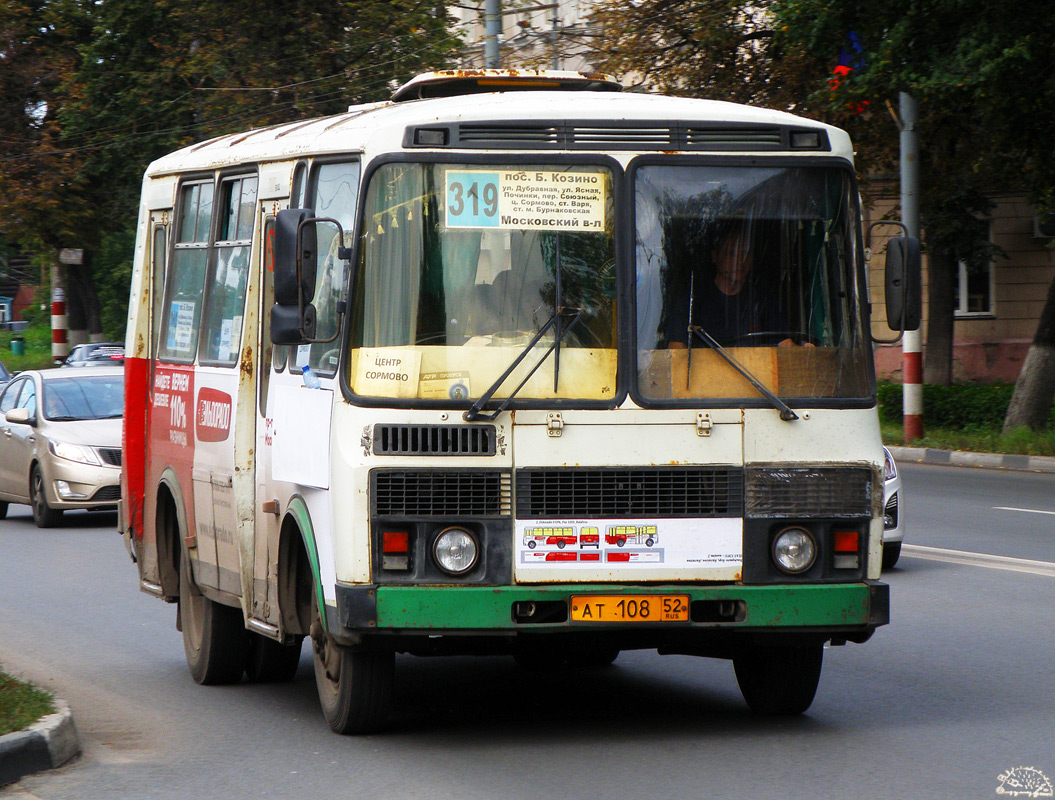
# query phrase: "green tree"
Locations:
[[91, 92], [983, 73]]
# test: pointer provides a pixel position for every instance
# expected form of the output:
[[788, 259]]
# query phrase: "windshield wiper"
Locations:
[[474, 412], [786, 413]]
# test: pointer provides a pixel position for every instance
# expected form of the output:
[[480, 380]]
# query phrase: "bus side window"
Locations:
[[225, 300], [334, 193], [181, 310]]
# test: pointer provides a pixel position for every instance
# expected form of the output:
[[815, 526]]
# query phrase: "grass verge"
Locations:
[[21, 704], [1021, 441]]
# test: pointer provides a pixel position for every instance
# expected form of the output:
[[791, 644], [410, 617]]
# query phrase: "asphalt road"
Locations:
[[954, 694]]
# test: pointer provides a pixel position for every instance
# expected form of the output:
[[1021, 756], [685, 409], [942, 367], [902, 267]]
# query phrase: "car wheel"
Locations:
[[779, 681], [3, 509], [43, 515], [891, 553], [215, 640], [355, 686]]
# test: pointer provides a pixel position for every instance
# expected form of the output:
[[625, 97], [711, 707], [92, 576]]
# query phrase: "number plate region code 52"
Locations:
[[630, 608]]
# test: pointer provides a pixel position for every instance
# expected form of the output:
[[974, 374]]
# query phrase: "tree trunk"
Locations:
[[942, 274], [1035, 387]]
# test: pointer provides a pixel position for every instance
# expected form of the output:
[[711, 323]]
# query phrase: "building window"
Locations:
[[974, 290]]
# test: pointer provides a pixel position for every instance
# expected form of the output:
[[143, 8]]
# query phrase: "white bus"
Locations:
[[519, 308]]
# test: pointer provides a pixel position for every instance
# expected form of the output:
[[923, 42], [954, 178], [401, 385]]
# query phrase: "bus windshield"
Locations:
[[761, 261], [462, 265]]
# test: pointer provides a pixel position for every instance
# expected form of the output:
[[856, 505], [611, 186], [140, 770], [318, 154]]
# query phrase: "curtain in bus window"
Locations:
[[395, 252], [181, 311]]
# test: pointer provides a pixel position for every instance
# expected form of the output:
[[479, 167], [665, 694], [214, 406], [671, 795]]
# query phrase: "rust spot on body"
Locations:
[[246, 365]]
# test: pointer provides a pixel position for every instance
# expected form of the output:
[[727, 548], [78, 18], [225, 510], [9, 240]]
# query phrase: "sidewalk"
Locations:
[[957, 458], [46, 744]]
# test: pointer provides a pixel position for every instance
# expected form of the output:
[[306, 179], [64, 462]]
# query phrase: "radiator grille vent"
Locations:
[[441, 493], [111, 455], [628, 493], [107, 493], [434, 440], [840, 492]]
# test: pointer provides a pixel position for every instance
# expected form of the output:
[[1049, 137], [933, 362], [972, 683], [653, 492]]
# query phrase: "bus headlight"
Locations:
[[794, 550], [456, 550]]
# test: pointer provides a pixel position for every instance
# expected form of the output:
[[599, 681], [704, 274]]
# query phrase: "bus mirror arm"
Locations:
[[903, 282]]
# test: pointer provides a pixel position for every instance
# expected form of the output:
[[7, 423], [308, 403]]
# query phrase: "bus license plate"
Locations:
[[630, 608]]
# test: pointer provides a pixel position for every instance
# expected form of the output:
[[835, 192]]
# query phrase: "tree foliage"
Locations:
[[91, 91], [983, 74]]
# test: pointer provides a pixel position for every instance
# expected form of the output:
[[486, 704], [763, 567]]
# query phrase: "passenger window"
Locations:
[[10, 395], [334, 194], [181, 311], [225, 299]]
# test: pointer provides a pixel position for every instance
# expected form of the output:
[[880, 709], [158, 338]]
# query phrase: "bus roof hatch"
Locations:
[[452, 82]]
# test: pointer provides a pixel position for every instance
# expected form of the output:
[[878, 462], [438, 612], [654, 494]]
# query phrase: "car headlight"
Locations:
[[74, 452], [456, 550], [794, 550], [889, 467]]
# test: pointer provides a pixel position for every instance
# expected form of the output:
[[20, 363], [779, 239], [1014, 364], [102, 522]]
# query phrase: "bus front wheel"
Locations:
[[355, 686], [779, 681], [215, 640]]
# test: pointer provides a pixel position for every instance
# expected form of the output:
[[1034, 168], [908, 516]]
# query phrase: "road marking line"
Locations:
[[980, 560], [1028, 510]]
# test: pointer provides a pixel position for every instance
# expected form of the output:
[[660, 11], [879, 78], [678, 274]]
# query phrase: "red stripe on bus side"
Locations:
[[133, 474]]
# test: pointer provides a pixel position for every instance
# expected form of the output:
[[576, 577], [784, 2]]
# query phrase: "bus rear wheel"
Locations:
[[355, 686], [215, 640], [779, 681], [271, 662]]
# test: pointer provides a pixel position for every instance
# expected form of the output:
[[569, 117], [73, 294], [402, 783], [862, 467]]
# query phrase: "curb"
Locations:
[[46, 744], [957, 458]]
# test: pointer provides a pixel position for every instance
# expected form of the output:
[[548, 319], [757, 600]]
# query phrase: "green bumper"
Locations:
[[854, 606]]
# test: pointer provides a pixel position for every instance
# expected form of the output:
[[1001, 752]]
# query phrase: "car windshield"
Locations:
[[763, 262], [463, 265], [84, 397]]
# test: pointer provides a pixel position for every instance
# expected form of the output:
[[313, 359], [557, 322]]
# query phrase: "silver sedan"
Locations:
[[60, 441]]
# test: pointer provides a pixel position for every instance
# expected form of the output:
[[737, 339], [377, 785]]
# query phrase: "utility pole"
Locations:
[[492, 30], [912, 344]]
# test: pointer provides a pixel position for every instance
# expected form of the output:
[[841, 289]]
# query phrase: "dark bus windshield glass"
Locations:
[[462, 265], [763, 261]]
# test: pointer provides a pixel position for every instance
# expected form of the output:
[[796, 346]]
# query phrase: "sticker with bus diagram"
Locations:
[[700, 543]]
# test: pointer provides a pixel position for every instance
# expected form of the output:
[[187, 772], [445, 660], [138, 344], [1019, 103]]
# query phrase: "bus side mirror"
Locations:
[[903, 284], [291, 326], [296, 256]]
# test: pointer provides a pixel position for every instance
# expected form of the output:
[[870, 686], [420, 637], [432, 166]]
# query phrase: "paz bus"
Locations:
[[369, 355]]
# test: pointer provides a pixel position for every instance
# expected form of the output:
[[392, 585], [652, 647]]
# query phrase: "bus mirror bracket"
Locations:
[[903, 282], [293, 317]]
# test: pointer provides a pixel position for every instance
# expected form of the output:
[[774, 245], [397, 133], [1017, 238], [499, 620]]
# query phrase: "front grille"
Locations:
[[111, 455], [440, 493], [107, 494], [434, 440], [839, 492], [628, 493]]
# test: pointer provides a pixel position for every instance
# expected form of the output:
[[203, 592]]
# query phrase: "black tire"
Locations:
[[891, 553], [779, 681], [355, 686], [43, 515], [271, 662], [215, 640], [3, 509]]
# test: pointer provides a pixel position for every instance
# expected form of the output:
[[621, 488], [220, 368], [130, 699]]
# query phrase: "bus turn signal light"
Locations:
[[846, 546], [395, 550]]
